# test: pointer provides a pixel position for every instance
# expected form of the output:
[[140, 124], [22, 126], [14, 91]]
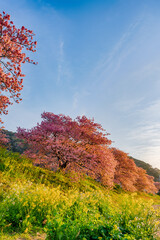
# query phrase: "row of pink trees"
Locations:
[[131, 177], [59, 142]]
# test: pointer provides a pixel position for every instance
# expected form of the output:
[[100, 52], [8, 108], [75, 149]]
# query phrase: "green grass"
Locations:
[[66, 206]]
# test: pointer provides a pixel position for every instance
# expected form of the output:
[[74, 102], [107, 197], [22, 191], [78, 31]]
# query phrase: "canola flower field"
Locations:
[[67, 206]]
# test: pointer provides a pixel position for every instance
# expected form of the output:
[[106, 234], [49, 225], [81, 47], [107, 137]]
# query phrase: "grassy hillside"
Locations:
[[60, 206]]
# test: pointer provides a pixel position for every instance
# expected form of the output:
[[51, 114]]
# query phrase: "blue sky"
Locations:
[[100, 58]]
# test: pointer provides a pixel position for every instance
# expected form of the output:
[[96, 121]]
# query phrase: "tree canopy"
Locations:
[[62, 143], [12, 43]]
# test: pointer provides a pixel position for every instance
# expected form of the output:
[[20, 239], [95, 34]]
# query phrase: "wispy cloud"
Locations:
[[60, 60], [112, 60], [78, 97], [127, 106], [145, 136], [75, 100], [64, 71]]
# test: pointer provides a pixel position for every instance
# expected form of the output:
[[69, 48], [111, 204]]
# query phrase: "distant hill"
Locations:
[[155, 172], [16, 146]]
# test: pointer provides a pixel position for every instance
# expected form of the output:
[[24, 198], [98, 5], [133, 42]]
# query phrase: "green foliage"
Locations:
[[74, 215], [67, 207], [97, 218]]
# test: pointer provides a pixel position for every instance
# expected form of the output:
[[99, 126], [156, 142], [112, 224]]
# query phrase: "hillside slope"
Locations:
[[14, 146], [69, 206]]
